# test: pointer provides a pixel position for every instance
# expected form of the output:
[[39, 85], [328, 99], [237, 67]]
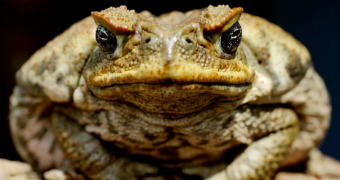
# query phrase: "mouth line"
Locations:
[[170, 89], [170, 83], [172, 97]]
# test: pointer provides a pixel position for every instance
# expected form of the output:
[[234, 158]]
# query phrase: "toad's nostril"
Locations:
[[147, 40], [189, 41]]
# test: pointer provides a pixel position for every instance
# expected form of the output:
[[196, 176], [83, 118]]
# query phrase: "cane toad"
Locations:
[[207, 94]]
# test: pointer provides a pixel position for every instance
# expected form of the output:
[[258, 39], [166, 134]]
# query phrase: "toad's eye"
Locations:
[[231, 39], [106, 39]]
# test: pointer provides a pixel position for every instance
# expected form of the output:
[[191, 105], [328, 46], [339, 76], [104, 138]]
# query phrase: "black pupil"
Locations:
[[231, 39], [106, 39]]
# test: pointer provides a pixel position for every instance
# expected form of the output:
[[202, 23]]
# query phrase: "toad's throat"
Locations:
[[170, 97]]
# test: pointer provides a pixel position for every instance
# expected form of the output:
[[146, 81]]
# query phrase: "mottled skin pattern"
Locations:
[[169, 103]]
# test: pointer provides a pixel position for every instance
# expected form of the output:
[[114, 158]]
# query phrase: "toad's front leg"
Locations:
[[261, 159], [87, 154]]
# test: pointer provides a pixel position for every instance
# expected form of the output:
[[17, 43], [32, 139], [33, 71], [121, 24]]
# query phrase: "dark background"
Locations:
[[26, 25]]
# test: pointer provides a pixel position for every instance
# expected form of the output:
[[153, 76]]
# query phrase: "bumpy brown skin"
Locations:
[[168, 103]]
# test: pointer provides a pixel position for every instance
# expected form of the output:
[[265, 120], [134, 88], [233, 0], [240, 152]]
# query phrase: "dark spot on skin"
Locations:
[[184, 142], [59, 79], [168, 130], [227, 123], [168, 138], [295, 69], [46, 112], [147, 40], [170, 152], [77, 171], [50, 62], [260, 61], [203, 142], [188, 41], [174, 106], [150, 137]]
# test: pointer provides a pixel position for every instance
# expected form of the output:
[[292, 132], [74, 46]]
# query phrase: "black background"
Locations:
[[26, 25]]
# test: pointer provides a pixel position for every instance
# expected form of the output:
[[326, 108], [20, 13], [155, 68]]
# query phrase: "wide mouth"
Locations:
[[170, 97], [230, 91]]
